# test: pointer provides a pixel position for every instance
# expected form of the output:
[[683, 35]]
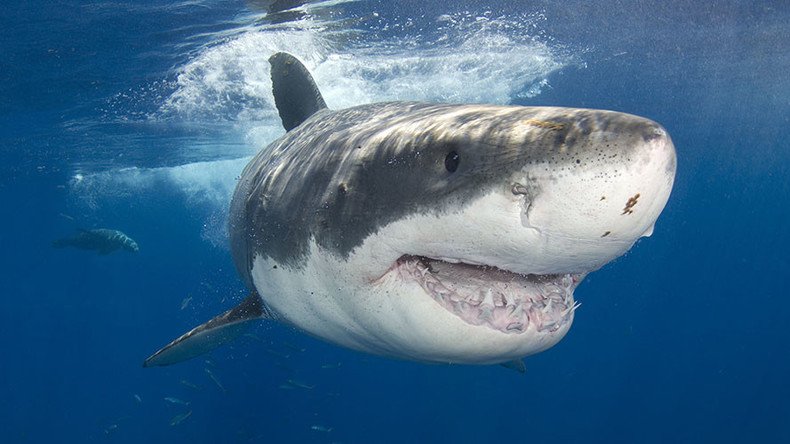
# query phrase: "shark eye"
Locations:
[[451, 161]]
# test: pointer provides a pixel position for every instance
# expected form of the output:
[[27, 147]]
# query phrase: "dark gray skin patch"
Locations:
[[342, 175], [295, 93]]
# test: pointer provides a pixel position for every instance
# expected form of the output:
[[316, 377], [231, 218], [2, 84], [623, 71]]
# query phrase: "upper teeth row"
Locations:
[[547, 305]]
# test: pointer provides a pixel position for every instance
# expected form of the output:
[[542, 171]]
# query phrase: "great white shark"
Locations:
[[431, 232]]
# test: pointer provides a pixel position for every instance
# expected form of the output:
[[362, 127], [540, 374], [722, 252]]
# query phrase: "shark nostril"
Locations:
[[653, 134]]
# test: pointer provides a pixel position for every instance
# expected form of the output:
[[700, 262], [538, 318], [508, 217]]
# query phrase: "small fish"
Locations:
[[66, 216], [178, 419], [293, 347], [214, 378], [286, 387], [335, 365], [185, 302], [320, 428], [277, 354], [138, 399], [252, 336], [300, 384], [111, 428], [189, 384], [173, 400]]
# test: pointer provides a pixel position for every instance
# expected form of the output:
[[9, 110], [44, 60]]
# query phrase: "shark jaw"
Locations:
[[490, 297], [471, 286], [418, 308]]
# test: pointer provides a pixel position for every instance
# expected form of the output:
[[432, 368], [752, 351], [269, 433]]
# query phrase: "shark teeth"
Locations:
[[501, 300], [488, 299]]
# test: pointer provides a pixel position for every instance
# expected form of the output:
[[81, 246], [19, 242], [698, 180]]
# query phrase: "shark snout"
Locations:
[[608, 195]]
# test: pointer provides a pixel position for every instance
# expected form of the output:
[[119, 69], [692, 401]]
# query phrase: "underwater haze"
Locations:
[[139, 117]]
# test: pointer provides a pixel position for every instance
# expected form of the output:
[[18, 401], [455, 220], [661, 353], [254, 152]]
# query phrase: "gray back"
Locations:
[[341, 175]]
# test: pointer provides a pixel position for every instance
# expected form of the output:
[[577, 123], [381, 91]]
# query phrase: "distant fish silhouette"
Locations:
[[320, 428], [173, 400], [189, 384], [300, 384], [214, 378], [101, 240], [178, 419], [331, 365]]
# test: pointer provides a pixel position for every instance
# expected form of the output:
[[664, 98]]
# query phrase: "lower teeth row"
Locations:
[[547, 306]]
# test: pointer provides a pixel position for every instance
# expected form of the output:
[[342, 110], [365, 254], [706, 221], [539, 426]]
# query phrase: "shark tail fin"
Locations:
[[214, 333], [295, 93]]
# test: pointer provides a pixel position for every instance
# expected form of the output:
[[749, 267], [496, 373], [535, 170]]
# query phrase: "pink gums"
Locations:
[[499, 299]]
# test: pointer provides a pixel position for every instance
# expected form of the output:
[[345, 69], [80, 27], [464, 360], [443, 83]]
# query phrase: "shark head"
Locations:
[[444, 233]]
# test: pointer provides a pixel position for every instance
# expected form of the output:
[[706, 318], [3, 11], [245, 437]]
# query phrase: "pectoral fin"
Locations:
[[214, 333]]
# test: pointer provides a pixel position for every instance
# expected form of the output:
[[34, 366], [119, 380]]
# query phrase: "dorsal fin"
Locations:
[[295, 93]]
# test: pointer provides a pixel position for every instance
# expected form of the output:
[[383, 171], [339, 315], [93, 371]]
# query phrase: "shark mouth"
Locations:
[[499, 299]]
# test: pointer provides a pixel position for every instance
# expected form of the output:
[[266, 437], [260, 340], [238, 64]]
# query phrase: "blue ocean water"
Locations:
[[140, 115]]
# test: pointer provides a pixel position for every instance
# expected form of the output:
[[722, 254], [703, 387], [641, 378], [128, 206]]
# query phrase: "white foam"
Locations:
[[201, 182], [206, 188], [463, 57]]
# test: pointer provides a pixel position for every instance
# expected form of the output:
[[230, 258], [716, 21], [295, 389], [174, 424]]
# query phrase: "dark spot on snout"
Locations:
[[606, 234], [629, 206]]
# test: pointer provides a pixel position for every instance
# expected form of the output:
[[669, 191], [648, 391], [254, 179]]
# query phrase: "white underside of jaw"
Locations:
[[365, 303], [391, 317]]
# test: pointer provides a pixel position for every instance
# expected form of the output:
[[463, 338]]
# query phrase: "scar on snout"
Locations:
[[519, 189], [545, 124], [606, 234], [603, 197], [629, 206]]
